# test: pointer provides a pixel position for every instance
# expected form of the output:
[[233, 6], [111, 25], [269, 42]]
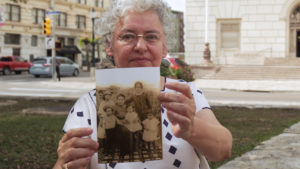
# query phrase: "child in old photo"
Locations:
[[101, 130], [133, 123], [110, 124], [150, 133]]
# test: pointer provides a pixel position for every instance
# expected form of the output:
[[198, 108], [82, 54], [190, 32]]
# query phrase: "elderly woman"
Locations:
[[136, 33]]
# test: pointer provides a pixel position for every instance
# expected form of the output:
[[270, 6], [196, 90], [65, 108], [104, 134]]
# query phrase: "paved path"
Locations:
[[280, 152]]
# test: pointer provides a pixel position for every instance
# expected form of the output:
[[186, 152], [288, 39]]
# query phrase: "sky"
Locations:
[[177, 5]]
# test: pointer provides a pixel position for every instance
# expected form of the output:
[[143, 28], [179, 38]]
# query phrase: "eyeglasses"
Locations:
[[132, 38]]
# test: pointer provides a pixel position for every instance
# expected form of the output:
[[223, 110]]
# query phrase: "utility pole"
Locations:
[[93, 16], [52, 7]]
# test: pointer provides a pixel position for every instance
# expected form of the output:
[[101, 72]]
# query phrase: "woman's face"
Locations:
[[130, 109], [138, 88], [138, 52], [150, 116], [107, 97], [109, 111], [120, 100]]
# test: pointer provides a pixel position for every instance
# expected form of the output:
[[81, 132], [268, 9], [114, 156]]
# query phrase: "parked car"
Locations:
[[42, 66], [15, 64]]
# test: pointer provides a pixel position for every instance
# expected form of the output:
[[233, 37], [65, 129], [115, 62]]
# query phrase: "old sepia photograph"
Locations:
[[128, 115]]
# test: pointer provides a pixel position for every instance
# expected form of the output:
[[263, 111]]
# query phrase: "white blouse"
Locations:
[[177, 153]]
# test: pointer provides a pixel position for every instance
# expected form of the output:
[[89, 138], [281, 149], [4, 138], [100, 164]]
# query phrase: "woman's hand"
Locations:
[[74, 151], [180, 108]]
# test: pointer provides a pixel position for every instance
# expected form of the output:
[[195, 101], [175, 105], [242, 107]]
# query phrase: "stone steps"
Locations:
[[230, 72]]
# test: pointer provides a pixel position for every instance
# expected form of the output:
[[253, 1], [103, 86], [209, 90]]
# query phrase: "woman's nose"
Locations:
[[141, 44]]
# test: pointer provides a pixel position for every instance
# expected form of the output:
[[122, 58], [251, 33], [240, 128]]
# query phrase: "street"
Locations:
[[27, 85], [73, 87]]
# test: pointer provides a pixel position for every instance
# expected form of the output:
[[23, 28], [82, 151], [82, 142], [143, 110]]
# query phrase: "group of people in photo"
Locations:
[[128, 123]]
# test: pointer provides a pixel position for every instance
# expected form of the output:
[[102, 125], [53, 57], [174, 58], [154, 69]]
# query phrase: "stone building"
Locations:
[[22, 33], [244, 32]]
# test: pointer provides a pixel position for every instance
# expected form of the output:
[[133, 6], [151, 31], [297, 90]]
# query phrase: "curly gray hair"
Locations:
[[106, 25]]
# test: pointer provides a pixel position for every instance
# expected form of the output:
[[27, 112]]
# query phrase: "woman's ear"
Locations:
[[108, 48]]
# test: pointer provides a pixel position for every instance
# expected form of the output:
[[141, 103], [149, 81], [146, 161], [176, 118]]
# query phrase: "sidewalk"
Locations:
[[251, 85], [237, 85], [280, 152]]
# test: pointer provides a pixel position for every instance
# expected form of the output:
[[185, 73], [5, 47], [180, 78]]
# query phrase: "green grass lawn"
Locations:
[[249, 127], [30, 141]]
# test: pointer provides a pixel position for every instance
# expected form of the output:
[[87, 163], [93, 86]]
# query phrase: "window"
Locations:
[[80, 22], [71, 41], [99, 3], [62, 19], [61, 40], [16, 52], [13, 13], [38, 15], [81, 1], [34, 40], [6, 59], [12, 39], [230, 34]]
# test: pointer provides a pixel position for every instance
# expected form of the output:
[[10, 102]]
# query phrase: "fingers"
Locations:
[[79, 163], [74, 154], [183, 88], [180, 108], [176, 118], [181, 125], [76, 149], [172, 97], [77, 142], [79, 132]]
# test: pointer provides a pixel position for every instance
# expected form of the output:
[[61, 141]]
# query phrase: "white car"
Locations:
[[43, 66]]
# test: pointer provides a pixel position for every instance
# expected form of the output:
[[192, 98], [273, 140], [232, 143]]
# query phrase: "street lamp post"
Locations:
[[93, 16]]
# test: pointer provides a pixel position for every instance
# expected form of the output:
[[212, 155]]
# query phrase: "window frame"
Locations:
[[220, 32], [81, 2], [9, 12], [34, 43], [99, 3], [78, 21], [35, 15], [9, 41], [65, 21]]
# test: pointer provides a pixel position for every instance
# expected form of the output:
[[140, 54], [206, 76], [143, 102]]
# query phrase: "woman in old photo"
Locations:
[[122, 133], [141, 100]]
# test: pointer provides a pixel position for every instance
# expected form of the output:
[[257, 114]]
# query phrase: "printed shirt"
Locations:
[[177, 153]]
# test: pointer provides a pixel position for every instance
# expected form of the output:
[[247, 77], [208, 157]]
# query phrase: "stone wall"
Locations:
[[263, 30]]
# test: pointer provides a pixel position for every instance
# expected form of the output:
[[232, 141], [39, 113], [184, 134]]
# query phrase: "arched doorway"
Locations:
[[295, 31]]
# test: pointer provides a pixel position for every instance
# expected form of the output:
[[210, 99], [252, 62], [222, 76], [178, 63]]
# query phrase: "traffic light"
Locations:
[[47, 26]]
